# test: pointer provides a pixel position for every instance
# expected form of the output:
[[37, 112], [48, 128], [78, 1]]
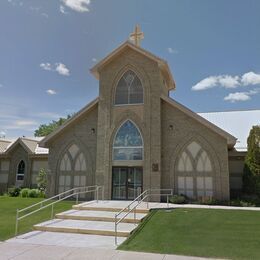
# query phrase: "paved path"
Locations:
[[18, 251], [157, 205]]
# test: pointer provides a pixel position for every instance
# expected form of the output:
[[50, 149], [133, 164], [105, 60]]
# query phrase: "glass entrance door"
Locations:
[[126, 182]]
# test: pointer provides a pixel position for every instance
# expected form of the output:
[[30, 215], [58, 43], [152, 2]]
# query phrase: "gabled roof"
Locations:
[[4, 144], [231, 140], [29, 144], [230, 121], [68, 122], [163, 65]]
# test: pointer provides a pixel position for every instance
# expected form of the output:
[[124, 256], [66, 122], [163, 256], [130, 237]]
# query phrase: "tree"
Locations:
[[46, 129], [251, 177], [42, 180]]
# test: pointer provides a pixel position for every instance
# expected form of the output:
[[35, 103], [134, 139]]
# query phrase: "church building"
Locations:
[[135, 137]]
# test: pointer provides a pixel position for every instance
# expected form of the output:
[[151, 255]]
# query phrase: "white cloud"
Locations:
[[2, 133], [227, 81], [94, 59], [58, 67], [62, 69], [24, 124], [62, 9], [77, 5], [46, 66], [250, 78], [237, 96], [1, 85], [241, 96], [45, 15], [171, 50], [15, 2], [51, 92], [206, 83]]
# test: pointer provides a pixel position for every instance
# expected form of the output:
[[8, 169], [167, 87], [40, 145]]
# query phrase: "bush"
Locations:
[[241, 203], [178, 199], [42, 180], [25, 192], [14, 191], [33, 193], [41, 194]]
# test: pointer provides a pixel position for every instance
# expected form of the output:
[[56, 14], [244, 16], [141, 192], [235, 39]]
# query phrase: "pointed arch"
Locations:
[[20, 171], [65, 164], [194, 171], [80, 164], [129, 89], [128, 142]]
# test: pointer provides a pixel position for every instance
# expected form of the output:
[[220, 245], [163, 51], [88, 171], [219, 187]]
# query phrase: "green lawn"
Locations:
[[8, 206], [231, 234]]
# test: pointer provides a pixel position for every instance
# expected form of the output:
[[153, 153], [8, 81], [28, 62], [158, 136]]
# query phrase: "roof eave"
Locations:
[[231, 140]]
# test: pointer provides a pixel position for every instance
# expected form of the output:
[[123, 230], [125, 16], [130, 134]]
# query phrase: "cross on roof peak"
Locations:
[[137, 35]]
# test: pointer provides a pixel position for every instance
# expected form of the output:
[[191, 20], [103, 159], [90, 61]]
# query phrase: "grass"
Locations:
[[8, 206], [231, 234]]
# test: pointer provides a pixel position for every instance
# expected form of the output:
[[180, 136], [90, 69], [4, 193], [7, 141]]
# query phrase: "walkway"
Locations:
[[17, 251]]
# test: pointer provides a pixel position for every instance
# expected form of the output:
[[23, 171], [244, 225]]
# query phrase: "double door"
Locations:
[[126, 182]]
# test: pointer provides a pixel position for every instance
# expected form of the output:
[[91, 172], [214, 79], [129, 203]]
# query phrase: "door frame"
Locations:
[[126, 183]]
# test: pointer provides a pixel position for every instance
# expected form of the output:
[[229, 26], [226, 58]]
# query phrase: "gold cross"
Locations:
[[137, 35]]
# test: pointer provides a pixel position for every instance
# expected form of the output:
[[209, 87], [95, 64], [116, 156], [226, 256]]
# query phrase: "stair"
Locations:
[[95, 219], [92, 215]]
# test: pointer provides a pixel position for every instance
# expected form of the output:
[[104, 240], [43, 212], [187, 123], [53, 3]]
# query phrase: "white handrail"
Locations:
[[60, 197], [139, 200]]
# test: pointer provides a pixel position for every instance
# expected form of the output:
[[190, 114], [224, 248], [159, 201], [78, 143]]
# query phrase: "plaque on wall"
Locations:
[[155, 167]]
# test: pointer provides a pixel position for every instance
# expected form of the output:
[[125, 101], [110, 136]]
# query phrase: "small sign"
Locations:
[[155, 167]]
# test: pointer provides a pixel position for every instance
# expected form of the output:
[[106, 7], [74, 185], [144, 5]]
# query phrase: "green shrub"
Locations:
[[33, 193], [24, 192], [242, 203], [42, 180], [178, 199], [14, 191], [41, 194]]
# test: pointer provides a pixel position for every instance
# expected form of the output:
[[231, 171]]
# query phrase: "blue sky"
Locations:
[[47, 48]]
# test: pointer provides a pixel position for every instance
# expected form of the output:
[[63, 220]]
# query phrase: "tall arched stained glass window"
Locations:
[[128, 143], [129, 90]]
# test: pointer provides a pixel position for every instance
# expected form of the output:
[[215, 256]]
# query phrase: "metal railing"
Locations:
[[131, 207], [50, 202]]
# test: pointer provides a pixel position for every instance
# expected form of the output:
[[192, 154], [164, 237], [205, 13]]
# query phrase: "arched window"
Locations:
[[73, 169], [128, 143], [80, 164], [194, 172], [129, 89], [20, 171], [65, 164]]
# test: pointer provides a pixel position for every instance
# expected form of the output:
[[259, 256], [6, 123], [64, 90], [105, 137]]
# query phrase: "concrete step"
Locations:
[[86, 227], [113, 206], [107, 216]]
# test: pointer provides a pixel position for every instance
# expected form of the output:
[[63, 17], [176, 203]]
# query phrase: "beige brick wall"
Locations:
[[185, 129], [146, 117], [80, 133]]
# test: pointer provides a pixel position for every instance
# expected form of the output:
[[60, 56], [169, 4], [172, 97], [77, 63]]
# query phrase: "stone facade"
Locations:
[[180, 150], [167, 130]]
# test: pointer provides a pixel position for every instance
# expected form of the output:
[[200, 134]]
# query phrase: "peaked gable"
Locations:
[[163, 65]]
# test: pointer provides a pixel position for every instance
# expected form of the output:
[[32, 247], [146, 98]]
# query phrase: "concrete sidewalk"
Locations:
[[18, 251]]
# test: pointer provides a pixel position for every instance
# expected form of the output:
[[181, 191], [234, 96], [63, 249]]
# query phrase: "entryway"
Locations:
[[127, 182]]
